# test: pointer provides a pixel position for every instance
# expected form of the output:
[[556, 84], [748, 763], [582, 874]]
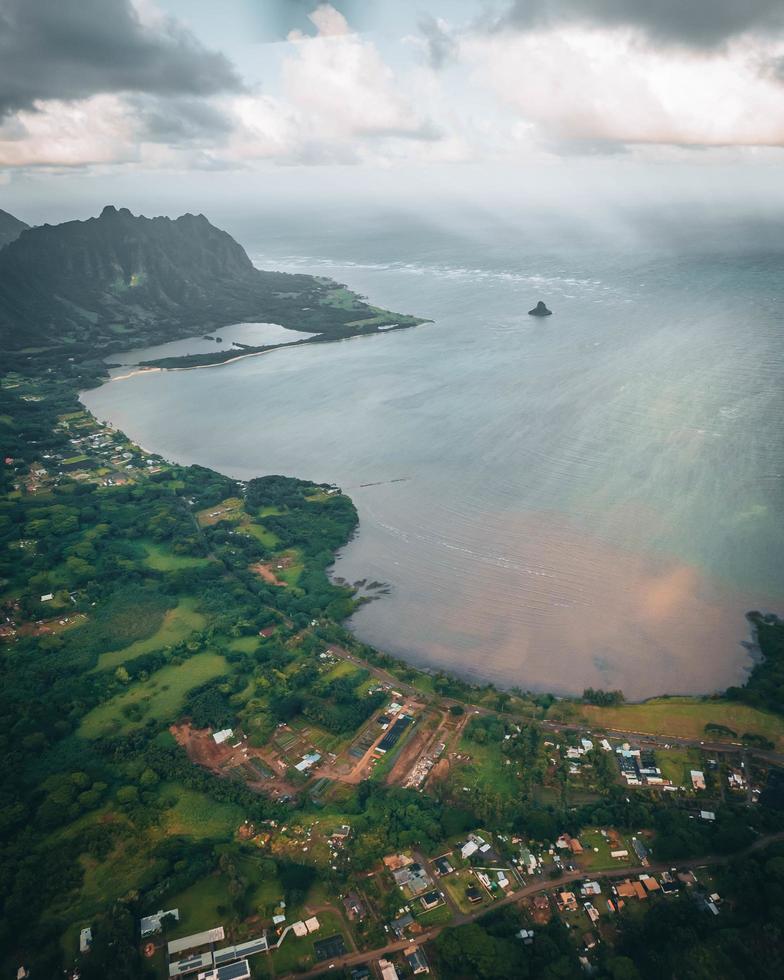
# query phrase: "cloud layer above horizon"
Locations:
[[169, 85]]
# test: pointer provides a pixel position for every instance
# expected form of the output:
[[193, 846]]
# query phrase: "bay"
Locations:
[[593, 499]]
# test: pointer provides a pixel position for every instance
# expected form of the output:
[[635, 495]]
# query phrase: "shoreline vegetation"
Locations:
[[186, 362], [148, 607]]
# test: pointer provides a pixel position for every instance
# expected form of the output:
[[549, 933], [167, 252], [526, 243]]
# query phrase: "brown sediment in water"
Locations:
[[585, 613]]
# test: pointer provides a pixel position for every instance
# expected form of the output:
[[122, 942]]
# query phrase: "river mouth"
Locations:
[[586, 501]]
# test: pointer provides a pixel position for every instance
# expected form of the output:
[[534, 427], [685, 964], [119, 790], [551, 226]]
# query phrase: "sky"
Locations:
[[167, 104]]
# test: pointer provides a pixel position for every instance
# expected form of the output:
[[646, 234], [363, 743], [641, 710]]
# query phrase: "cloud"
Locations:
[[441, 45], [588, 87], [74, 49], [693, 23], [182, 120], [342, 88]]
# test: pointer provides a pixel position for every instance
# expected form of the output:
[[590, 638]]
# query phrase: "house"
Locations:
[[401, 923], [591, 888], [85, 940], [707, 815], [312, 924], [625, 889], [473, 894], [223, 735], [640, 850], [619, 854], [650, 883], [589, 940], [591, 912], [300, 929], [343, 832], [354, 906], [639, 890], [542, 903], [469, 848], [575, 846], [442, 866], [431, 900], [307, 762], [419, 880], [527, 936], [388, 971], [697, 779], [48, 597], [416, 959], [150, 924], [566, 901]]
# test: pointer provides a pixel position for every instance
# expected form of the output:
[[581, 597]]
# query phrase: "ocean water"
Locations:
[[592, 499]]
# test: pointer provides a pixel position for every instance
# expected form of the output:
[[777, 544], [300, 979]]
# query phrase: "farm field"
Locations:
[[687, 718]]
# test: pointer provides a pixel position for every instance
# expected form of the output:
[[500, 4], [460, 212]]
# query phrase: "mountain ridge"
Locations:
[[118, 280], [11, 227]]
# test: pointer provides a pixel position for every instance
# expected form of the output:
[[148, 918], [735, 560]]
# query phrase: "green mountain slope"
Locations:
[[119, 279]]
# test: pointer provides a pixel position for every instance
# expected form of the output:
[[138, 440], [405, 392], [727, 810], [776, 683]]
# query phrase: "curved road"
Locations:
[[354, 959]]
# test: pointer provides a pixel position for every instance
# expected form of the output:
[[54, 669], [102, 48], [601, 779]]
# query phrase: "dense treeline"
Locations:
[[765, 686]]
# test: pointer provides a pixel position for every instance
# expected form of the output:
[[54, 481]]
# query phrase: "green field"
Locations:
[[160, 696], [164, 560], [687, 718], [596, 854], [488, 768], [178, 624], [196, 815], [676, 764], [198, 906]]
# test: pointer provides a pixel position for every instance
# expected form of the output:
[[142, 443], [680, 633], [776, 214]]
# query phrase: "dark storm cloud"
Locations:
[[441, 45], [180, 120], [694, 23], [71, 49]]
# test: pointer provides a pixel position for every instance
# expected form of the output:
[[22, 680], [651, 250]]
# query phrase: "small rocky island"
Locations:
[[540, 310]]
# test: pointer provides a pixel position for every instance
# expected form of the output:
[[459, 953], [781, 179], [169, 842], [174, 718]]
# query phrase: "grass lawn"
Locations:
[[178, 623], [196, 815], [245, 644], [676, 765], [343, 669], [261, 534], [160, 696], [600, 860], [456, 884], [297, 952], [163, 560], [488, 768], [435, 917], [198, 906], [687, 718]]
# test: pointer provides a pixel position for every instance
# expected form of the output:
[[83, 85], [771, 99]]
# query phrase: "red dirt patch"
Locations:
[[264, 571]]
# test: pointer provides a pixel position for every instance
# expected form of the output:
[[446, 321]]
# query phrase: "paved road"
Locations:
[[648, 738], [533, 888]]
